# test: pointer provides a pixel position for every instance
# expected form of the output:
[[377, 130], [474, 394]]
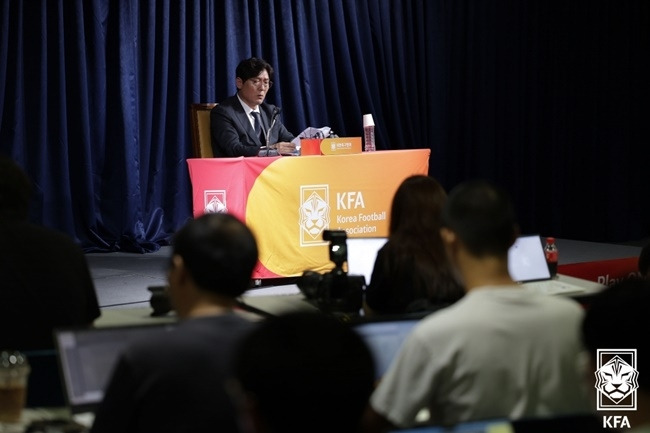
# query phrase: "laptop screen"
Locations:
[[526, 260], [384, 339], [362, 253], [87, 357]]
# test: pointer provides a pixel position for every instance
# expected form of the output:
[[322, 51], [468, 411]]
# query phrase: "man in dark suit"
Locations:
[[242, 124]]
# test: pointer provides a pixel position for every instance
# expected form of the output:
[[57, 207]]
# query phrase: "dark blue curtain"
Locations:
[[547, 98], [550, 99]]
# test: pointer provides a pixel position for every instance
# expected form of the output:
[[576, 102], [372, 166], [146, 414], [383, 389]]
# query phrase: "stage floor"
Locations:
[[121, 279]]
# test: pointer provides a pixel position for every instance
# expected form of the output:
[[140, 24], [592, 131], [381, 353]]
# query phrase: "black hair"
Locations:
[[15, 190], [482, 216], [219, 251], [251, 68], [308, 372]]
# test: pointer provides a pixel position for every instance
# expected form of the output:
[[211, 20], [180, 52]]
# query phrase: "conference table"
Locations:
[[289, 201]]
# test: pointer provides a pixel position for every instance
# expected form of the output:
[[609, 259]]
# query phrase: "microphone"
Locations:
[[267, 134]]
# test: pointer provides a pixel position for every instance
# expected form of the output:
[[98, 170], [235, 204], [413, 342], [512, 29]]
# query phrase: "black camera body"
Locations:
[[334, 291]]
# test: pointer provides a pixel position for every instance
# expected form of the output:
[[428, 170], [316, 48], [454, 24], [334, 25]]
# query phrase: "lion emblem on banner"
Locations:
[[215, 202], [617, 379], [314, 215]]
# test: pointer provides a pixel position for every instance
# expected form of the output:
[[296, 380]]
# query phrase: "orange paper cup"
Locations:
[[310, 146]]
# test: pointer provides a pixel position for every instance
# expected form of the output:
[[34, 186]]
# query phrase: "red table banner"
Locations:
[[288, 201], [605, 272]]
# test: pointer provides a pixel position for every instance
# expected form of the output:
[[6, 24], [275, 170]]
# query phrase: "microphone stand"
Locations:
[[267, 133]]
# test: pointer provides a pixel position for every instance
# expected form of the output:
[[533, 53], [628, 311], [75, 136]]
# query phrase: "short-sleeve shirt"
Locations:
[[500, 352]]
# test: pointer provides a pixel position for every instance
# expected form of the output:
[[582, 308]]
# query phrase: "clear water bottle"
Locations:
[[368, 133], [550, 250]]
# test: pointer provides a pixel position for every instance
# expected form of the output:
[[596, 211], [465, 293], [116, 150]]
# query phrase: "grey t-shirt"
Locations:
[[500, 352]]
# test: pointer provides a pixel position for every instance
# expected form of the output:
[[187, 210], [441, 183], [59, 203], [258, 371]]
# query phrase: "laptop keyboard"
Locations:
[[553, 287]]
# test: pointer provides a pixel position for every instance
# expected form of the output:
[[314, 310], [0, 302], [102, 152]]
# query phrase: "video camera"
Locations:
[[334, 291]]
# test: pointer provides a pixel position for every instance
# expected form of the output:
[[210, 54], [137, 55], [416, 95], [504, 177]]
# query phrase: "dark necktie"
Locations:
[[258, 125]]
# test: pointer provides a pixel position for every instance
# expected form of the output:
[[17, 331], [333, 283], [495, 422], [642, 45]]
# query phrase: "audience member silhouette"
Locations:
[[500, 351], [303, 372], [175, 382], [617, 319], [44, 278], [411, 271]]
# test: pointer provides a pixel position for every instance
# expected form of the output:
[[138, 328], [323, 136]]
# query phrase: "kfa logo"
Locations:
[[616, 379], [616, 421], [314, 214], [214, 201]]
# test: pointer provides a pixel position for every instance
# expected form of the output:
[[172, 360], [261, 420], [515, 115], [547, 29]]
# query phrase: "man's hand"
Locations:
[[285, 148]]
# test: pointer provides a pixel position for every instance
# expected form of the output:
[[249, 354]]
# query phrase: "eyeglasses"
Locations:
[[257, 82]]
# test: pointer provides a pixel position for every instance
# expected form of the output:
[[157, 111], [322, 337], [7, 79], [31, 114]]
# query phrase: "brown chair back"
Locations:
[[200, 122]]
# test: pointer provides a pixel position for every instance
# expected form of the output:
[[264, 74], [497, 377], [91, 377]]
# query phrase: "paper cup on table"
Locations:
[[14, 372], [310, 146]]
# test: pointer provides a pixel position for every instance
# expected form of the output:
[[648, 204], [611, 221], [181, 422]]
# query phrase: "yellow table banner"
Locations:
[[289, 201]]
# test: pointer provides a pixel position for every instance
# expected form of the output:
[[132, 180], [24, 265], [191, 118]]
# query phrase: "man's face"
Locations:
[[253, 91]]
